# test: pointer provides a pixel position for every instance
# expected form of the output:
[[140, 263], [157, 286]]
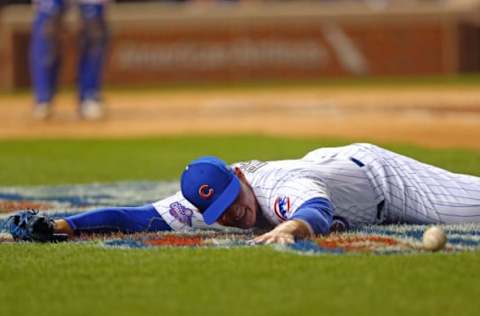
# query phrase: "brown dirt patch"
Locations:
[[437, 117], [10, 206]]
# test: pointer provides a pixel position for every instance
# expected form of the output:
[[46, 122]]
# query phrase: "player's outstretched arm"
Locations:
[[312, 217], [286, 233]]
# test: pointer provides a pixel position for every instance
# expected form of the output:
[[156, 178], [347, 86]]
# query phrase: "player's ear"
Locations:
[[239, 173]]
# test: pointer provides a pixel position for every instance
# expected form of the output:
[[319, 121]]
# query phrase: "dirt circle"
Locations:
[[434, 116]]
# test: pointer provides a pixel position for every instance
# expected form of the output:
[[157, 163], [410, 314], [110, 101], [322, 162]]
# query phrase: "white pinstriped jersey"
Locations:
[[413, 192], [281, 187], [365, 183]]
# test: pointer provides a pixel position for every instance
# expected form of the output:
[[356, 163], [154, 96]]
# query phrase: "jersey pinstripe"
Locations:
[[414, 192], [283, 186]]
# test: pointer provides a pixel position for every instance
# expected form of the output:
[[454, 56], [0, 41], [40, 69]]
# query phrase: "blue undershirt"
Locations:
[[119, 219], [318, 213]]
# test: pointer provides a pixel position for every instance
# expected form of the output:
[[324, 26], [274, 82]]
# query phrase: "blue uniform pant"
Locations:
[[45, 57]]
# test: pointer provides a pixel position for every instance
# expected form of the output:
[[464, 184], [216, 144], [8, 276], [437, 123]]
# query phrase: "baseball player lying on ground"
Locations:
[[328, 189]]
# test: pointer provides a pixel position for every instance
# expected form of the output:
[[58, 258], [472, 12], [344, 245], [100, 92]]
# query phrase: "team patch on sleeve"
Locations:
[[181, 213], [281, 207]]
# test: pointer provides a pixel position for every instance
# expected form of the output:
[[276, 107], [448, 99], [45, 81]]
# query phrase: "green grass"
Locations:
[[83, 279], [37, 162]]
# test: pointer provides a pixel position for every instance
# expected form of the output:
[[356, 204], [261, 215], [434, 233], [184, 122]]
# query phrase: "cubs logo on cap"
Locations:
[[205, 191], [210, 185]]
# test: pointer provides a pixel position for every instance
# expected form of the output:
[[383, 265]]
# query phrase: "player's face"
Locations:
[[243, 212]]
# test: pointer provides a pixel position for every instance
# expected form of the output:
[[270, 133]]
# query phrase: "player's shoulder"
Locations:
[[332, 152], [251, 166], [181, 215]]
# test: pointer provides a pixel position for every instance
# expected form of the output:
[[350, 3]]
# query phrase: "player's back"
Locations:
[[414, 192]]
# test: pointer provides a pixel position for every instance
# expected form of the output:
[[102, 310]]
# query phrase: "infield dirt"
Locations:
[[429, 116]]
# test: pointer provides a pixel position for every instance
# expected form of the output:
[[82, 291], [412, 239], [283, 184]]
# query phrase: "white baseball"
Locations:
[[434, 238]]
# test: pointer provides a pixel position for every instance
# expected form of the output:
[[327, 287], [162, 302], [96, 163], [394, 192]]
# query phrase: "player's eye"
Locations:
[[223, 219], [228, 217]]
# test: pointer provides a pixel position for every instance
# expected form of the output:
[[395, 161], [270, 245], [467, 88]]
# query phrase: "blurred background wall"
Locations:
[[192, 41]]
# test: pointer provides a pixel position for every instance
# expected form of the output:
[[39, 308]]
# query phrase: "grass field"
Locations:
[[81, 280], [42, 162], [84, 279]]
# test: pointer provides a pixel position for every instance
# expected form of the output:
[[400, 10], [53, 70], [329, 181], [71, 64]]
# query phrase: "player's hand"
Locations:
[[285, 233], [275, 237]]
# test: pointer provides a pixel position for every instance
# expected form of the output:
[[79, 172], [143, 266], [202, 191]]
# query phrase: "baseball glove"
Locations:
[[30, 226]]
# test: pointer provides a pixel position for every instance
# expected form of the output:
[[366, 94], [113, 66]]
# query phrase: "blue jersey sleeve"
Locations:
[[317, 212], [124, 219]]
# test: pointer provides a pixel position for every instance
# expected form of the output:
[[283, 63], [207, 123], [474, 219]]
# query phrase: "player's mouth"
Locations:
[[239, 216], [245, 218]]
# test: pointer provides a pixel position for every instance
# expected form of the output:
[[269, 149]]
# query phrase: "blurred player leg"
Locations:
[[93, 44], [45, 54]]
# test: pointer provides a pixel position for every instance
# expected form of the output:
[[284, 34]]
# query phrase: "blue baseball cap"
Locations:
[[210, 185]]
